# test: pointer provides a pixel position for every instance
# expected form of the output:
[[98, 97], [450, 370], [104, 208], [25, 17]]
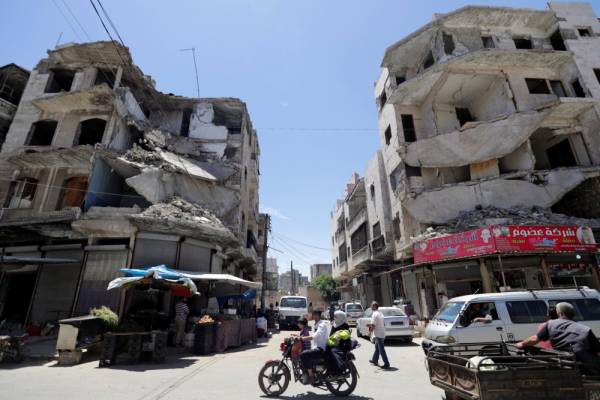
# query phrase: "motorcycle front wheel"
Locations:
[[345, 384], [274, 378]]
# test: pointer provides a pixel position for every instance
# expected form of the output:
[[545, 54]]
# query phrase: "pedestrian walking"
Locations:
[[181, 314], [377, 329]]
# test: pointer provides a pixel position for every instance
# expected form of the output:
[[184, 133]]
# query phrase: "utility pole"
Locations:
[[263, 294], [193, 50], [292, 276]]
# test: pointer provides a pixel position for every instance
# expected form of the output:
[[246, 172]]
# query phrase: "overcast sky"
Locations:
[[305, 68]]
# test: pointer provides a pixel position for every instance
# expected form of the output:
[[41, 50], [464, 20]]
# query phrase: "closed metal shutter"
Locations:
[[193, 257], [101, 267], [56, 288], [155, 249]]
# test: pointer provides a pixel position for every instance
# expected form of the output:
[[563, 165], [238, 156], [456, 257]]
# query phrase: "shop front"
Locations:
[[500, 258]]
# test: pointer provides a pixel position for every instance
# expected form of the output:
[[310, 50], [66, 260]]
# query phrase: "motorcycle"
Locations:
[[12, 347], [275, 375]]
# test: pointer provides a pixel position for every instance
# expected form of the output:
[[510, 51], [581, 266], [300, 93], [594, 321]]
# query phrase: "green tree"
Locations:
[[326, 285]]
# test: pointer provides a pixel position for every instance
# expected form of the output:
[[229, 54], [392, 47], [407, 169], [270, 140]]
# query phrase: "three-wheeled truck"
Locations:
[[500, 371]]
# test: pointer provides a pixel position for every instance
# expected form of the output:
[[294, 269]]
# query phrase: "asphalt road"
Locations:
[[231, 375]]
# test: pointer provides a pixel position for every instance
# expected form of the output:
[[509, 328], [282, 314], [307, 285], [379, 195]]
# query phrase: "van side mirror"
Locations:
[[463, 319]]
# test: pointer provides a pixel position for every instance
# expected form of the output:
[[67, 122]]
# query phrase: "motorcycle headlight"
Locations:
[[446, 339]]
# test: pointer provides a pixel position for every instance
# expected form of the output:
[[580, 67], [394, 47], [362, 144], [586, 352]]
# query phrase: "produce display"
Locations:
[[206, 319]]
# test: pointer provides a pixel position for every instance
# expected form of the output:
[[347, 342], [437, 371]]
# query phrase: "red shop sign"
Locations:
[[510, 238], [544, 238], [459, 245]]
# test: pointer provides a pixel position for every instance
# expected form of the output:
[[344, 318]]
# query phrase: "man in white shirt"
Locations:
[[319, 338], [377, 329]]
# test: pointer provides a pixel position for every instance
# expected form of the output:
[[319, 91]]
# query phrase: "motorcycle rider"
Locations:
[[338, 342], [319, 338]]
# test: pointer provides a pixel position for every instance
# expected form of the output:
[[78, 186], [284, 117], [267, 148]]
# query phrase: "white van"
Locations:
[[513, 316], [353, 312], [291, 309]]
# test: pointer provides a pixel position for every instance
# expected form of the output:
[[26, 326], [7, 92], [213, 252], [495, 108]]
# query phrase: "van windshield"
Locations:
[[450, 311], [293, 302], [353, 307]]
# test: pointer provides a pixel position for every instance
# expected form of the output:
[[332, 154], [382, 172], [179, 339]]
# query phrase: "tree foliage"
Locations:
[[326, 285]]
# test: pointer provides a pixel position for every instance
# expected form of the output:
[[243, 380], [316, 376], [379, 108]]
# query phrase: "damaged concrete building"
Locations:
[[104, 172], [12, 83], [490, 116]]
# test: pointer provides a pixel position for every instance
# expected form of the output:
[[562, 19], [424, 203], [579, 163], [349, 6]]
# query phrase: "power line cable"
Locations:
[[304, 244], [76, 19], [306, 258], [67, 20], [110, 22], [290, 253]]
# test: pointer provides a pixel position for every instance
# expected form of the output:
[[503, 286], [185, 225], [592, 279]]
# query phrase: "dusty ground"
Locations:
[[232, 375]]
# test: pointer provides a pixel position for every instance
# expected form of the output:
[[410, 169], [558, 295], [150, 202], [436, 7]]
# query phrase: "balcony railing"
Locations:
[[378, 244], [356, 220], [20, 216]]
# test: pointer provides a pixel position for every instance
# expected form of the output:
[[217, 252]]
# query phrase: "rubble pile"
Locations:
[[485, 216], [184, 218]]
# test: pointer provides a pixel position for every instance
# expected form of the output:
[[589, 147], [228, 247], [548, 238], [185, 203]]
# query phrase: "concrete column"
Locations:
[[485, 276], [546, 273]]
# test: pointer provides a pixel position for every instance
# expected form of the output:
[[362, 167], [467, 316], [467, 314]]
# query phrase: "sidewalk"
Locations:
[[41, 347]]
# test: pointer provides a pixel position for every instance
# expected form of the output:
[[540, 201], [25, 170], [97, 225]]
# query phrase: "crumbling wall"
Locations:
[[583, 201]]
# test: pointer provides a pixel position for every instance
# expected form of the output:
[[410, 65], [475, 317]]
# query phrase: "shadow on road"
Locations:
[[318, 396]]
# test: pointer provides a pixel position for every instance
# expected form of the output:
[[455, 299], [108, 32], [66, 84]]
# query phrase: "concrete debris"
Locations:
[[486, 216], [177, 216]]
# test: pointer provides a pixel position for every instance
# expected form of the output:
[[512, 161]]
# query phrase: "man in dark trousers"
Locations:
[[567, 335]]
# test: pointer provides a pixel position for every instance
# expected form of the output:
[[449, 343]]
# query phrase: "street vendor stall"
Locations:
[[219, 305]]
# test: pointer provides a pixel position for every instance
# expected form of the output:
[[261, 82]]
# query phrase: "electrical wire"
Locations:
[[290, 253], [67, 20], [76, 20], [306, 258], [303, 244], [110, 22]]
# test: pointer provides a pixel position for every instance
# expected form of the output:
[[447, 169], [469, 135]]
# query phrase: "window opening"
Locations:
[[372, 190], [376, 230], [558, 88], [185, 122], [91, 132], [408, 127], [21, 193], [429, 61], [400, 79], [388, 135], [382, 99], [561, 155], [557, 41], [488, 42], [105, 75], [584, 32], [359, 238], [448, 43], [597, 73], [463, 115], [523, 43], [74, 191], [60, 80], [396, 226], [412, 171], [342, 253], [42, 133], [577, 88], [527, 312], [537, 86]]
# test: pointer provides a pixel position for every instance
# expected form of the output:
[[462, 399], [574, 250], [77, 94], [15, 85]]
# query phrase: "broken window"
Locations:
[[523, 43], [488, 42], [429, 61], [11, 90], [557, 41], [21, 193], [382, 99], [408, 127], [395, 177], [448, 43], [342, 253], [372, 191], [558, 88], [412, 171], [577, 88], [561, 155], [59, 80], [73, 192], [396, 226], [400, 79], [597, 73], [377, 230], [537, 86], [42, 133], [584, 32], [185, 122], [90, 132], [105, 75], [359, 238], [230, 152], [388, 135], [463, 115]]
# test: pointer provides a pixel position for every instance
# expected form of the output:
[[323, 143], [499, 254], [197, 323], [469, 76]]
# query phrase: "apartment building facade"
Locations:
[[489, 119], [107, 172]]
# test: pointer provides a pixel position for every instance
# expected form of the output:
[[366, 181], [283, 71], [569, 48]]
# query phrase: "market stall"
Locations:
[[218, 308]]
